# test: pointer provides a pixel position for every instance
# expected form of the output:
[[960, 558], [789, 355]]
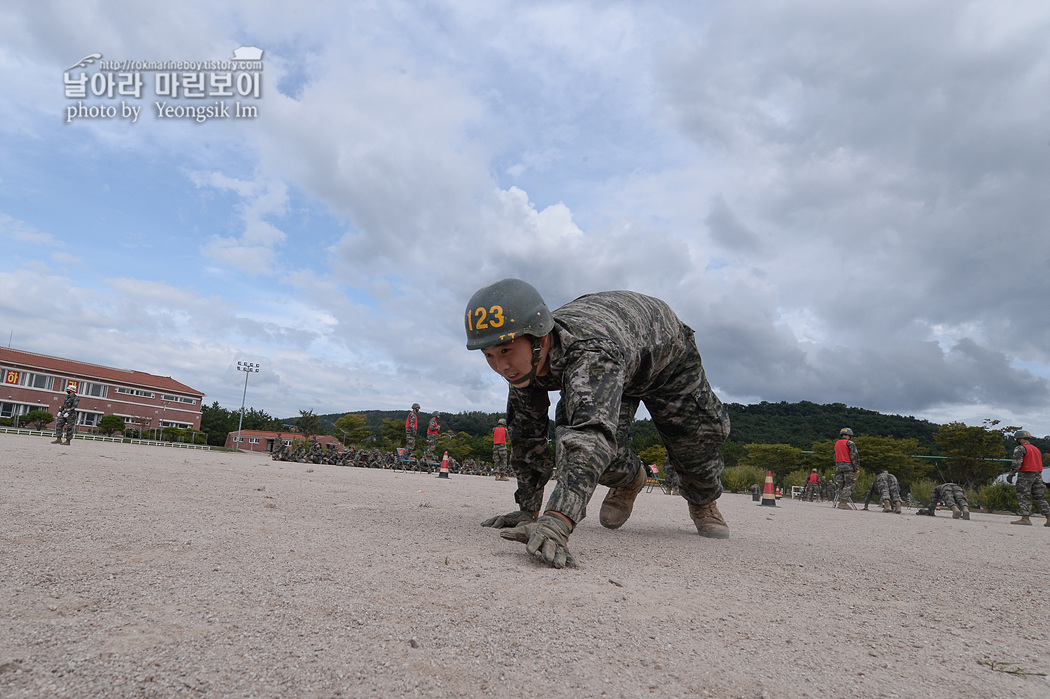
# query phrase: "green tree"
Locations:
[[971, 452], [110, 424], [307, 423], [655, 454], [37, 419], [351, 429], [879, 454], [391, 435], [781, 459]]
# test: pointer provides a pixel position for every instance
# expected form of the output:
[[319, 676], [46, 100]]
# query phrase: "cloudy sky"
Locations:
[[849, 202]]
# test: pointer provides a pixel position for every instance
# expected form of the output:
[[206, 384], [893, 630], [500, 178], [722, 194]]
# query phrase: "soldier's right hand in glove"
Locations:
[[511, 519], [548, 536]]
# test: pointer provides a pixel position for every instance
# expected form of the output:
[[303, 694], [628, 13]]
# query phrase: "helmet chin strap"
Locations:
[[537, 345]]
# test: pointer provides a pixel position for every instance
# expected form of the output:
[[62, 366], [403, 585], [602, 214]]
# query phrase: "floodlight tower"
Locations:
[[248, 368]]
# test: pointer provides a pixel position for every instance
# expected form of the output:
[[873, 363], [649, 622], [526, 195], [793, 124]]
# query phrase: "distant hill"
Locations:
[[799, 424]]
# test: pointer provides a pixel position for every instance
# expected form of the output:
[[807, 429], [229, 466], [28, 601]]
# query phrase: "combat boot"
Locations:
[[843, 505], [709, 521], [965, 512], [1024, 520], [886, 506], [619, 502], [57, 440], [956, 512], [897, 509], [67, 441], [1047, 521]]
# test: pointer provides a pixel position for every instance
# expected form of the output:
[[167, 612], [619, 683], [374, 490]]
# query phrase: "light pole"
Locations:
[[248, 368]]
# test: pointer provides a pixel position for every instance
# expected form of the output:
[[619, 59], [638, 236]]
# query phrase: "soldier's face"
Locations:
[[513, 360]]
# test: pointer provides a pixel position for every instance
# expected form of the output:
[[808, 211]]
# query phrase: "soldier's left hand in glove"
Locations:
[[548, 537], [511, 519]]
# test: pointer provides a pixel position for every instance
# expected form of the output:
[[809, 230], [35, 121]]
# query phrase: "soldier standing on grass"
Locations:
[[1028, 467], [67, 416], [606, 353]]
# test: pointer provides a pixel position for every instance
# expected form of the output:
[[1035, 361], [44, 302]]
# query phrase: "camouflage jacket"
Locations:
[[603, 346], [69, 405]]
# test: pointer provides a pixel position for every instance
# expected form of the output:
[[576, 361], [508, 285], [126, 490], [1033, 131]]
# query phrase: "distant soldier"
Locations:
[[952, 496], [433, 430], [847, 463], [671, 480], [67, 416], [812, 486], [499, 450], [1028, 467], [411, 430], [886, 487]]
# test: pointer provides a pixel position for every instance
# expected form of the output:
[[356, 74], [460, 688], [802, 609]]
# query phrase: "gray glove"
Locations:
[[549, 537], [511, 519]]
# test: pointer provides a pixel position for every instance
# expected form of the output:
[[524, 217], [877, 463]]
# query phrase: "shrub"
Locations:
[[39, 419], [6, 422], [110, 424], [737, 479], [1000, 497], [921, 490]]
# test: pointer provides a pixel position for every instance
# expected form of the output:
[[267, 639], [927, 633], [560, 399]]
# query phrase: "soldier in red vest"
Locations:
[[499, 450], [810, 493], [1028, 467], [847, 463], [433, 430], [411, 430]]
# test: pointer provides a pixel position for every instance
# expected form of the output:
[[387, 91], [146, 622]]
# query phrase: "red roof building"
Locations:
[[31, 381], [261, 440]]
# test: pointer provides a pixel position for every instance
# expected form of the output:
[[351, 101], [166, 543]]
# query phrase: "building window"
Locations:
[[253, 440], [95, 390], [88, 419], [36, 380], [191, 401], [134, 392]]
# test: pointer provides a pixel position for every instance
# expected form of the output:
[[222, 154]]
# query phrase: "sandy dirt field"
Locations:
[[139, 571]]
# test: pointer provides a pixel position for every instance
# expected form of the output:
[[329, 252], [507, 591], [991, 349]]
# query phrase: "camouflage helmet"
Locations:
[[436, 413], [415, 406], [1022, 434], [505, 310], [501, 422], [846, 431]]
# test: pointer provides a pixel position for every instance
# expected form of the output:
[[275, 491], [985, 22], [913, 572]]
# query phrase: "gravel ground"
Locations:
[[139, 571]]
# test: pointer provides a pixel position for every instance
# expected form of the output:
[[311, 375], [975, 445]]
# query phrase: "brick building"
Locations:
[[261, 440], [31, 381]]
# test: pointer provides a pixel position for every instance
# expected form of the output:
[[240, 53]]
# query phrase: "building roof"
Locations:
[[75, 369]]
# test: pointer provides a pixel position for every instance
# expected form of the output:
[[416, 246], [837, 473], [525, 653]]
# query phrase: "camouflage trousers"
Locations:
[[499, 459], [811, 492], [954, 497], [889, 490], [845, 479], [410, 443], [692, 424], [432, 442], [68, 424], [1031, 489]]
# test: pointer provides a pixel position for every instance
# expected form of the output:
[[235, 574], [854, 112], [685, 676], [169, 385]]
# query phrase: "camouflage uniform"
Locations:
[[610, 351], [846, 472], [886, 487], [499, 455], [67, 417], [433, 431], [411, 431], [950, 494], [1029, 486]]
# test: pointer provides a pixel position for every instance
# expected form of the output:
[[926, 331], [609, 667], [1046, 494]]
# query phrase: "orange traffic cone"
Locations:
[[443, 473], [769, 496]]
